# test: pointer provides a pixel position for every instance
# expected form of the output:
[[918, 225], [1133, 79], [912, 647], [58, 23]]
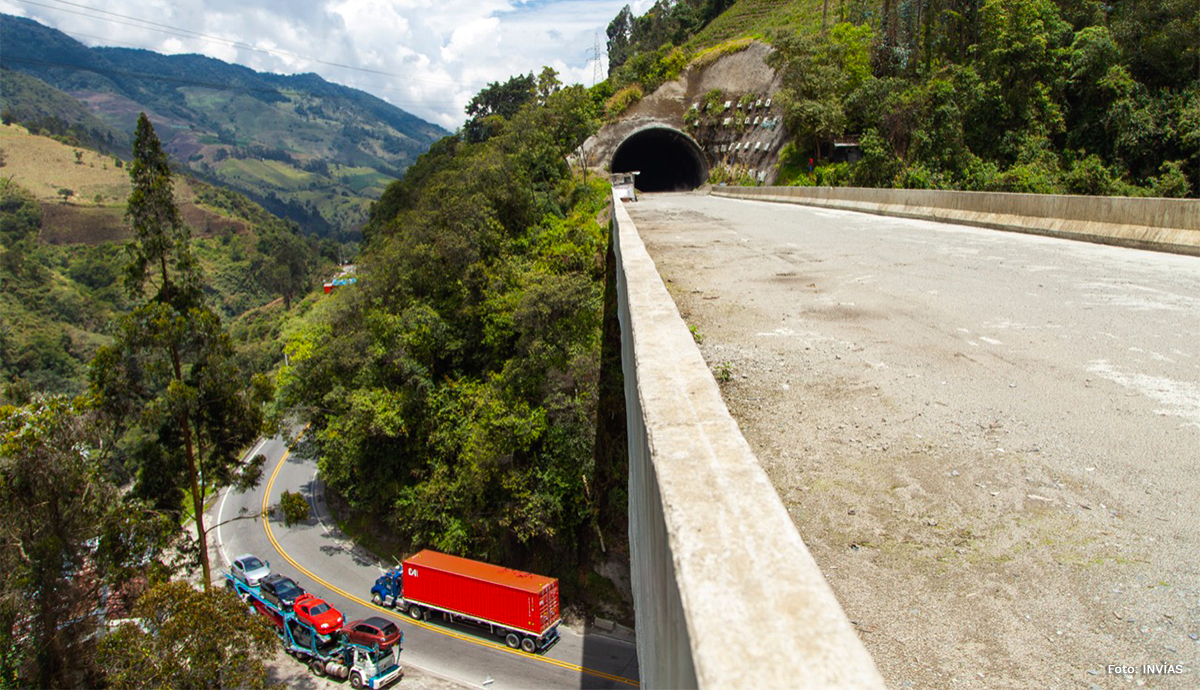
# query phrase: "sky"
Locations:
[[428, 57]]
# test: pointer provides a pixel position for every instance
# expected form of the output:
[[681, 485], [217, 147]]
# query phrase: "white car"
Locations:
[[249, 569]]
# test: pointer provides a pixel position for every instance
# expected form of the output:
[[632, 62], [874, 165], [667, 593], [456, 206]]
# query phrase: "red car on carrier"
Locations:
[[319, 614], [373, 631]]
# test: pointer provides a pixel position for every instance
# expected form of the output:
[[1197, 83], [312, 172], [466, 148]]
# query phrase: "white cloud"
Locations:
[[436, 54]]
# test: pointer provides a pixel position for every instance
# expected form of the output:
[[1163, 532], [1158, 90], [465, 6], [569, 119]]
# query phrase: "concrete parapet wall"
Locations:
[[1171, 225], [726, 593]]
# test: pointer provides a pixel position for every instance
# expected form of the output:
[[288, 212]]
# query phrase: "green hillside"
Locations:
[[301, 130], [62, 258], [1042, 96], [464, 364], [757, 19], [33, 102]]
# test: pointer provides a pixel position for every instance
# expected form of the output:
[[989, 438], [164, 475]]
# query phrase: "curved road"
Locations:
[[323, 563]]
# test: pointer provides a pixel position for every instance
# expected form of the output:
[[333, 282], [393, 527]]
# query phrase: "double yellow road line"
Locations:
[[432, 628]]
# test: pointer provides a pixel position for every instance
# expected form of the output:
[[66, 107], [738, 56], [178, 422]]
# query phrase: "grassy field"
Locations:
[[363, 180], [44, 166], [759, 18], [95, 212], [278, 175]]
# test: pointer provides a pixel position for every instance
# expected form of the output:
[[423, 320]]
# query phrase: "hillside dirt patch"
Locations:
[[67, 223], [94, 212], [43, 166]]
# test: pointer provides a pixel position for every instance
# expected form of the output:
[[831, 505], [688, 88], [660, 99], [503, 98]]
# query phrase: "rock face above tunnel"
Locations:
[[677, 142]]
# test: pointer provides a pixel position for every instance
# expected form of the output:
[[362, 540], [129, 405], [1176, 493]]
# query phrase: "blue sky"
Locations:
[[428, 57]]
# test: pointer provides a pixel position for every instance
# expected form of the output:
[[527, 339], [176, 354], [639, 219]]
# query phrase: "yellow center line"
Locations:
[[432, 628]]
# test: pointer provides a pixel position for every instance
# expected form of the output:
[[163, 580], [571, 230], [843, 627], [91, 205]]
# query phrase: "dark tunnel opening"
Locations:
[[668, 160]]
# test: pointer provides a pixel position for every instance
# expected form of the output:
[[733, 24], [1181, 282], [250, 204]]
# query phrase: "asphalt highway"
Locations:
[[316, 556]]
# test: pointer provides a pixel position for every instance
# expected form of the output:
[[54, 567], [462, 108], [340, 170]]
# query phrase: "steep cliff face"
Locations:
[[722, 116]]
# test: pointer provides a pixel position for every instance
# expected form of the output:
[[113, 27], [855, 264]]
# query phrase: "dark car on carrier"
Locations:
[[281, 591]]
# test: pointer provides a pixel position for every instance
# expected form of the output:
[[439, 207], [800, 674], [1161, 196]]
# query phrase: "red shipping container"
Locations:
[[489, 593]]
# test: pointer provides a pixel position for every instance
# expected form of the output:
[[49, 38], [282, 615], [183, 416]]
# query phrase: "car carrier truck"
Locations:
[[325, 655], [518, 606]]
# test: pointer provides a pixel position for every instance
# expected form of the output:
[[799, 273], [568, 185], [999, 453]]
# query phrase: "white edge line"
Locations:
[[221, 508]]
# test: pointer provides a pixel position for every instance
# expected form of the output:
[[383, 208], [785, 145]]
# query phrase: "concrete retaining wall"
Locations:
[[725, 591], [1171, 225]]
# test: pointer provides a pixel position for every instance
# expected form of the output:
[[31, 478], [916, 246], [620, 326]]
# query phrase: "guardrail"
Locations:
[[726, 594], [1169, 225]]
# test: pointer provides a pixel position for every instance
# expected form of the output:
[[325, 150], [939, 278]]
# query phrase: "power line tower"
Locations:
[[596, 60]]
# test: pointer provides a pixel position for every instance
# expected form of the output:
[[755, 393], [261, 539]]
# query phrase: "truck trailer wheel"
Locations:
[[416, 612], [356, 680], [512, 640], [529, 645], [317, 667]]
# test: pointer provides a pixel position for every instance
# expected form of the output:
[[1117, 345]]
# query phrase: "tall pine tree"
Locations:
[[170, 380]]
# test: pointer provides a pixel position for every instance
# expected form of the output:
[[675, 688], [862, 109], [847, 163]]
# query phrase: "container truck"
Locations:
[[325, 655], [518, 606]]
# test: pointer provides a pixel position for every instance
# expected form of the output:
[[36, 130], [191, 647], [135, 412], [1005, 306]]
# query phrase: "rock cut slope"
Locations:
[[727, 107]]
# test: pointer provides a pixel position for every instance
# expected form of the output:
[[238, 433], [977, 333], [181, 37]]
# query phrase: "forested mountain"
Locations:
[[308, 150], [1050, 96]]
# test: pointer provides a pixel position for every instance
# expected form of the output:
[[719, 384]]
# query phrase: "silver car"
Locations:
[[249, 569]]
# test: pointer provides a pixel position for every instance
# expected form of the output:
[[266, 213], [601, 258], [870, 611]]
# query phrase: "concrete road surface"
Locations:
[[989, 441]]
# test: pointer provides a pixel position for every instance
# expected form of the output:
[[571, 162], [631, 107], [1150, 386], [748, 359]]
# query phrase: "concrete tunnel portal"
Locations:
[[668, 160]]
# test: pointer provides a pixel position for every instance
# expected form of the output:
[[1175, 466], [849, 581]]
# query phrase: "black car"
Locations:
[[281, 591]]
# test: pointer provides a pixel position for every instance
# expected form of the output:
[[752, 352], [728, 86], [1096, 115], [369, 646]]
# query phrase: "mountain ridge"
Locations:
[[321, 152]]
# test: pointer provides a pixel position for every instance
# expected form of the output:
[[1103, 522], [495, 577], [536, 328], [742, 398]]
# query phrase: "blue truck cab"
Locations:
[[389, 589]]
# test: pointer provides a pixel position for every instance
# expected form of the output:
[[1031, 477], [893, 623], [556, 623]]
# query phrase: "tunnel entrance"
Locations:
[[668, 160]]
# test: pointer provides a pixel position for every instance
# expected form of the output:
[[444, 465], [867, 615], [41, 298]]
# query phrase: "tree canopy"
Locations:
[[452, 393], [182, 637], [66, 535], [1002, 95], [182, 409]]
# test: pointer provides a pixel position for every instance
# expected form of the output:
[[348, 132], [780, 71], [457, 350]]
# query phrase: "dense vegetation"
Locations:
[[453, 392], [1045, 96], [666, 23], [307, 150], [92, 488]]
